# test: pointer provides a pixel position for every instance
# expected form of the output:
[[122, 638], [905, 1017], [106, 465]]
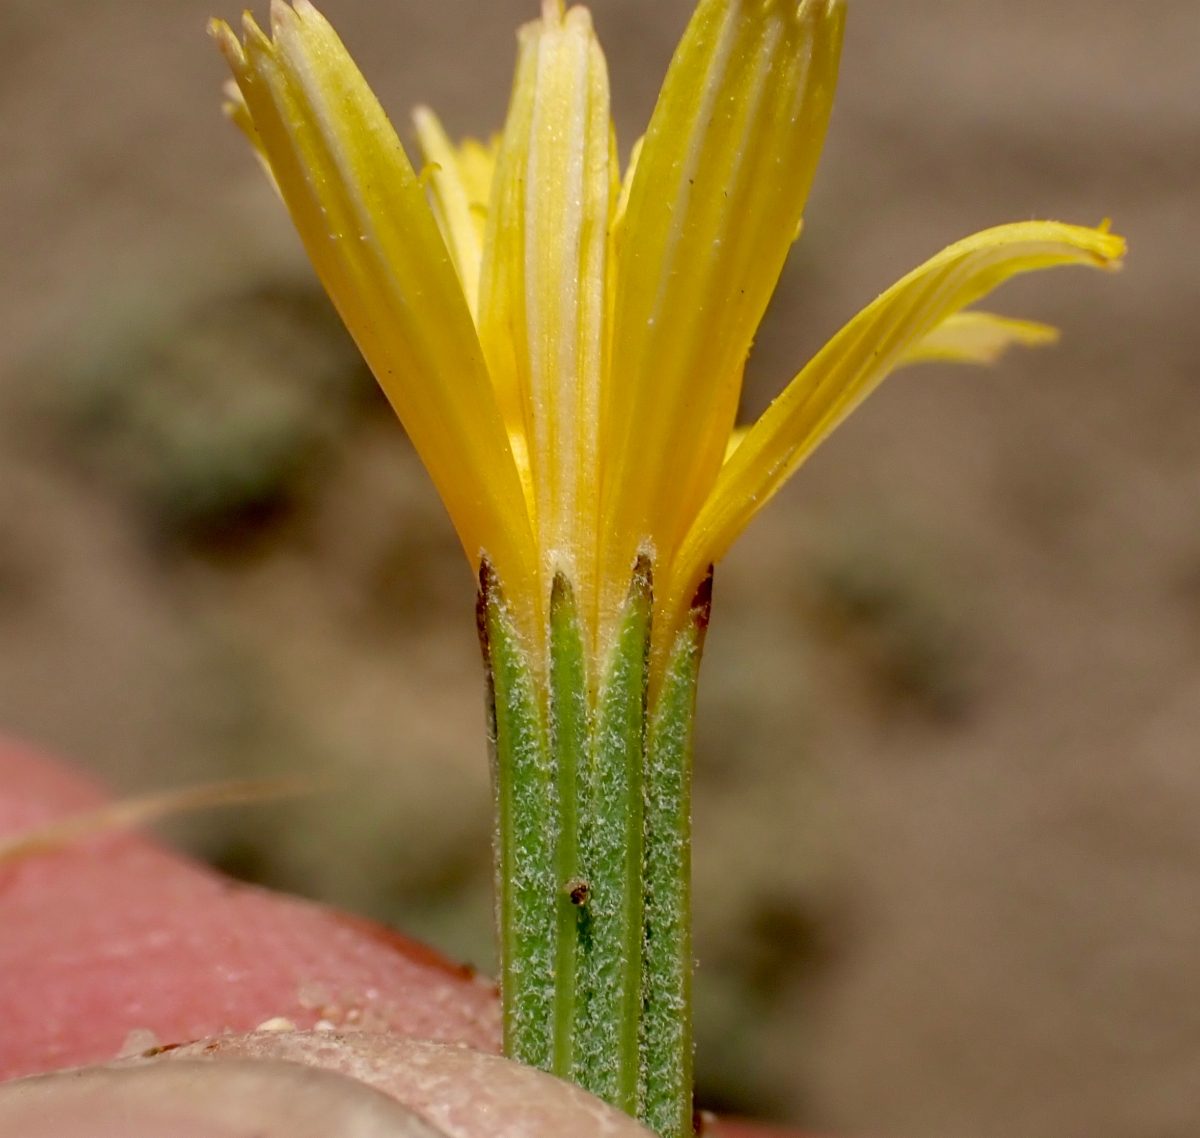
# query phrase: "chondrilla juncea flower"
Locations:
[[564, 343]]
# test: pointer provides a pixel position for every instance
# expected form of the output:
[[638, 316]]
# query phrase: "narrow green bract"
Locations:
[[610, 973], [569, 735], [666, 1081], [527, 819]]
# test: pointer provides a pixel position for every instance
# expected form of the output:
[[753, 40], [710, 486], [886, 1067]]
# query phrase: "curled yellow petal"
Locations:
[[375, 244], [978, 338], [858, 358], [715, 202], [542, 301]]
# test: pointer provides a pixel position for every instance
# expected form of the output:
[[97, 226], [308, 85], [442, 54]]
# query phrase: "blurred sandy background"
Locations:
[[948, 778]]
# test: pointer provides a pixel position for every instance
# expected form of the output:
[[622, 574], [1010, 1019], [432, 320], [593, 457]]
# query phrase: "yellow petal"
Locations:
[[501, 279], [736, 437], [451, 202], [374, 242], [977, 338], [477, 167], [239, 114], [543, 292], [715, 202], [618, 221], [857, 359], [616, 235]]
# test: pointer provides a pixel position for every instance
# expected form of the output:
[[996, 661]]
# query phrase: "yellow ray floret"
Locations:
[[501, 280], [375, 244], [857, 359], [542, 303], [459, 188], [239, 114], [715, 201]]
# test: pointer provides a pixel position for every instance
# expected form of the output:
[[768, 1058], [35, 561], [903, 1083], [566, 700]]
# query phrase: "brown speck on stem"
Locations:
[[579, 891]]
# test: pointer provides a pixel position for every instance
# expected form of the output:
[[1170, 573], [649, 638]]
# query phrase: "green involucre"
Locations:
[[593, 857]]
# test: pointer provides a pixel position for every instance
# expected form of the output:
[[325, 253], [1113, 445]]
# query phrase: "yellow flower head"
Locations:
[[565, 346]]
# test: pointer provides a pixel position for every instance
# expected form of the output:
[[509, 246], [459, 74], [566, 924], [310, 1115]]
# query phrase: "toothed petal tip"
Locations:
[[252, 34], [293, 24], [301, 14], [228, 44]]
